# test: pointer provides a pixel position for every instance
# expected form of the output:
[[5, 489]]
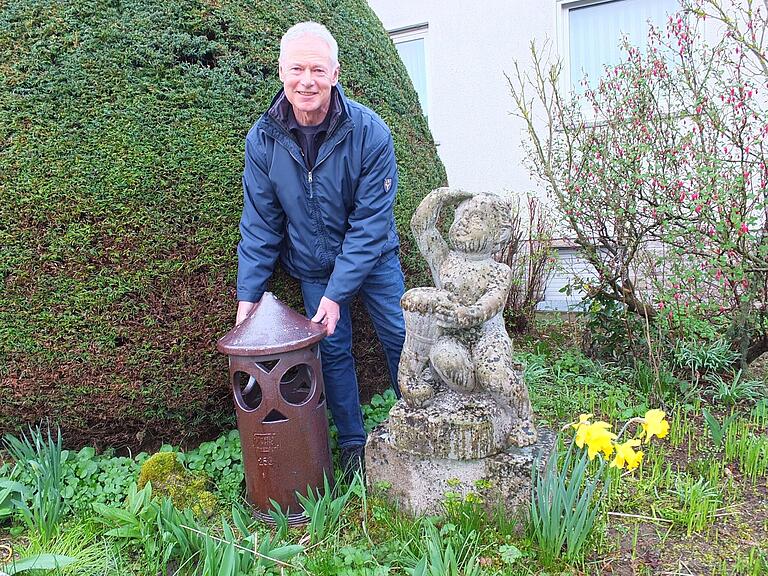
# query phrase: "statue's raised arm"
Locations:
[[430, 241]]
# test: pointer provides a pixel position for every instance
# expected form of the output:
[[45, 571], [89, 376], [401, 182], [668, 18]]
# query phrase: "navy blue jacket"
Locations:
[[329, 224]]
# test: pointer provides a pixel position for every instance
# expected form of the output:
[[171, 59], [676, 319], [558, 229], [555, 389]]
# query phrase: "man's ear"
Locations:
[[335, 76], [280, 71]]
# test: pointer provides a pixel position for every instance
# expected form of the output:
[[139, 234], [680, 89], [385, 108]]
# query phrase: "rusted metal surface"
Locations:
[[277, 381]]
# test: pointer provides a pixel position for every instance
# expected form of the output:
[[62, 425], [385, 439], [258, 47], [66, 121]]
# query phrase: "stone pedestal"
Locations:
[[418, 482]]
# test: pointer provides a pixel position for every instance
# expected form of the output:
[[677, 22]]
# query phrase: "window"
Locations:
[[591, 32], [410, 44]]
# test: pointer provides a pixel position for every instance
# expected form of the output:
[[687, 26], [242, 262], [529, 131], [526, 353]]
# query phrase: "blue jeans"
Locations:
[[381, 292]]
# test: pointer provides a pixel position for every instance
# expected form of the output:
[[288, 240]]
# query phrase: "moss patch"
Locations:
[[170, 479]]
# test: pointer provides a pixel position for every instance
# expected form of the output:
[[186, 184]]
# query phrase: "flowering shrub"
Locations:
[[598, 438], [659, 169]]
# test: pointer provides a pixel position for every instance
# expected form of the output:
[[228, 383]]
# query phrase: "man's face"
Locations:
[[308, 74]]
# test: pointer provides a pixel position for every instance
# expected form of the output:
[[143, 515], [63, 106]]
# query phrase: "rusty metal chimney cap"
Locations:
[[270, 328]]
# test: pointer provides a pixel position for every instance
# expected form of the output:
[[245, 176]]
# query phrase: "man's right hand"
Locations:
[[243, 309]]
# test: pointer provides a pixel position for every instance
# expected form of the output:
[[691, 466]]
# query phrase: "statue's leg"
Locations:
[[452, 363], [496, 373]]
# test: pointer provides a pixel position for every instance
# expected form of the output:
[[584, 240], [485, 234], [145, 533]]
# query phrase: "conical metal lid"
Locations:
[[270, 328]]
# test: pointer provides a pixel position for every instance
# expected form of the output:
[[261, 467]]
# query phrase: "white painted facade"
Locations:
[[469, 47]]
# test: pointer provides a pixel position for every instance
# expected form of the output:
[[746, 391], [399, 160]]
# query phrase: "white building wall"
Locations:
[[469, 46]]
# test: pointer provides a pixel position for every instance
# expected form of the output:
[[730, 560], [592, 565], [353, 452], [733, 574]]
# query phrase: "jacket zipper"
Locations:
[[323, 159], [302, 162]]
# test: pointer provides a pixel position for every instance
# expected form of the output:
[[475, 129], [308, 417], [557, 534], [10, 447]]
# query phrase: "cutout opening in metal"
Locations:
[[249, 389], [267, 365], [275, 416], [297, 384]]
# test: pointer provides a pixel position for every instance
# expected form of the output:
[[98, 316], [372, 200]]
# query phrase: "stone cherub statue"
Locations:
[[455, 335]]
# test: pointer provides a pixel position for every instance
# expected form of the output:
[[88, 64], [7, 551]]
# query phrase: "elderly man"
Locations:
[[319, 185]]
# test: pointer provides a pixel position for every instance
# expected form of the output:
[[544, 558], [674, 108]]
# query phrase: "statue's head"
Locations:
[[481, 225]]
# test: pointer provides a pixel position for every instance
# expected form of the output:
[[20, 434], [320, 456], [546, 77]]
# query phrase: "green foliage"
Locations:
[[612, 332], [122, 126], [441, 557], [375, 412], [565, 500], [104, 478], [163, 533], [88, 477], [467, 513], [40, 456], [658, 382], [324, 507], [749, 448], [40, 562], [702, 358], [140, 521], [11, 494], [698, 499], [222, 461], [571, 383], [717, 431], [736, 389]]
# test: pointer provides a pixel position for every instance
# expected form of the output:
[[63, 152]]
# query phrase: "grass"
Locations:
[[696, 500]]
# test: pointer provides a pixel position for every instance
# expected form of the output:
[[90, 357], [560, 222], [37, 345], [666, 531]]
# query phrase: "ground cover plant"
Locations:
[[693, 500], [122, 126]]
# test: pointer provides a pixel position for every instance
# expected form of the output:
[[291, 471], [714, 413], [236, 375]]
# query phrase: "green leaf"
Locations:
[[229, 562], [509, 554], [285, 553], [41, 562], [125, 532]]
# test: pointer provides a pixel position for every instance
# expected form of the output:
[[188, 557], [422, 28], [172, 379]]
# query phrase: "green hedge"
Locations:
[[121, 141]]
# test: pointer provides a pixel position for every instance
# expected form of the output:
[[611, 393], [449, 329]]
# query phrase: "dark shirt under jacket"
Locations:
[[310, 138]]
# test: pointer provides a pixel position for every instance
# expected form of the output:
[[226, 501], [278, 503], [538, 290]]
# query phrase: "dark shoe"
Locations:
[[352, 460]]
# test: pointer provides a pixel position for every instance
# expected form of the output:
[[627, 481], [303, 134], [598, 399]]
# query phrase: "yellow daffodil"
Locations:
[[597, 437], [626, 455], [654, 424], [583, 421]]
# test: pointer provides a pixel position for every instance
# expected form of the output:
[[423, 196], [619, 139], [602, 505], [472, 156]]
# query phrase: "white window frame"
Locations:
[[408, 34]]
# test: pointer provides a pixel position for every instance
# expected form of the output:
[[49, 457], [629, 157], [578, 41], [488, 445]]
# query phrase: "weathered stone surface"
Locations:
[[453, 425], [419, 483], [455, 334], [464, 423]]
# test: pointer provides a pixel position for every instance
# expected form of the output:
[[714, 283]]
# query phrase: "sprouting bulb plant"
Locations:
[[598, 438]]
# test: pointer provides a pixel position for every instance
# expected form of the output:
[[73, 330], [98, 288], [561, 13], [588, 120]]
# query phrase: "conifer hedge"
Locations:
[[122, 125]]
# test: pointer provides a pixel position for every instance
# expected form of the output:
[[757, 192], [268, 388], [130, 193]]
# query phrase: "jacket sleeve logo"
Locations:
[[387, 184]]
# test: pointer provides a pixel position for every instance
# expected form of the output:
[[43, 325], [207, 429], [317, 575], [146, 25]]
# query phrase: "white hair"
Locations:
[[311, 29]]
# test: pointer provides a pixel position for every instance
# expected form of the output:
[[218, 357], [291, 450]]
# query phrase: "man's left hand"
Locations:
[[327, 314]]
